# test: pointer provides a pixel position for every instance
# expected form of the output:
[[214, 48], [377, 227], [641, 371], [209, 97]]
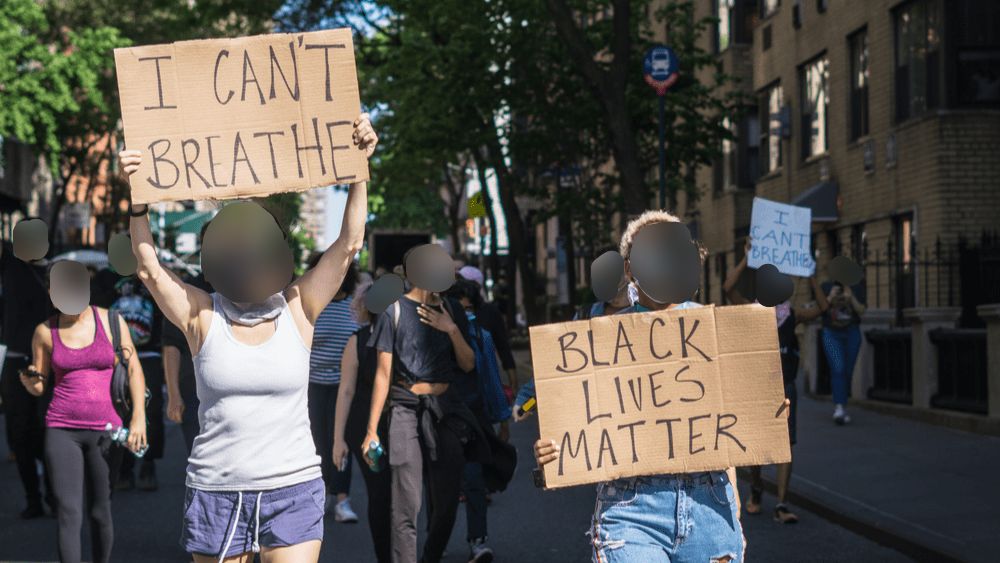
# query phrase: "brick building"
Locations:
[[883, 115]]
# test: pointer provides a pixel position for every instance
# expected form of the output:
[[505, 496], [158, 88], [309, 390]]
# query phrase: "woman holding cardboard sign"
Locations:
[[253, 479], [692, 516]]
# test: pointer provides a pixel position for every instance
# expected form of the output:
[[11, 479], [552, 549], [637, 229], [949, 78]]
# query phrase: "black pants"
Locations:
[[411, 468], [79, 460], [25, 428], [322, 414], [152, 369], [378, 485]]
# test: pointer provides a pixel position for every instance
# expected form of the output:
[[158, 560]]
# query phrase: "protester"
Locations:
[[144, 321], [77, 352], [488, 316], [787, 317], [354, 397], [25, 305], [693, 516], [842, 340], [253, 482], [333, 329], [422, 350]]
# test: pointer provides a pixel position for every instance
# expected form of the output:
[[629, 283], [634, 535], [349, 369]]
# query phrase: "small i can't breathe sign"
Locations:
[[243, 117]]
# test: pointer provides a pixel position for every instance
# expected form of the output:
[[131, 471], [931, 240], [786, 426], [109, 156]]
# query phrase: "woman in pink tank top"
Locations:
[[74, 354]]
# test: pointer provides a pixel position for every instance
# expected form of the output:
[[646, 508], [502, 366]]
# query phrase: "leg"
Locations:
[[98, 455], [23, 432], [65, 459], [376, 484], [475, 505], [752, 505], [320, 432], [298, 553], [407, 468], [445, 482], [852, 347], [152, 368], [784, 478], [341, 482], [713, 530], [833, 347]]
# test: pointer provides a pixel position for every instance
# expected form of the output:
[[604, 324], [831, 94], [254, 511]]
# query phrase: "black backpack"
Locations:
[[121, 396]]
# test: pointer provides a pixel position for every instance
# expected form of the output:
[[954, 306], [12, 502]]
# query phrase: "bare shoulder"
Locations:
[[105, 317], [43, 334]]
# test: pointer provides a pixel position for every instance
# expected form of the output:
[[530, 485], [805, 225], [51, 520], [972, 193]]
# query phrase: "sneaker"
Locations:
[[34, 510], [479, 552], [784, 516], [343, 513], [752, 505], [839, 415], [147, 477]]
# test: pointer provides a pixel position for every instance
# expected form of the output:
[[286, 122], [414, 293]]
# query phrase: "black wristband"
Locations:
[[133, 213]]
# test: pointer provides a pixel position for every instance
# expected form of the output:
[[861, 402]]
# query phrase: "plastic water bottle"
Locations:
[[375, 453], [120, 436]]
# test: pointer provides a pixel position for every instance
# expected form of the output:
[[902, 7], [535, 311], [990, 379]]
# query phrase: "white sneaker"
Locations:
[[343, 513], [839, 415], [479, 552]]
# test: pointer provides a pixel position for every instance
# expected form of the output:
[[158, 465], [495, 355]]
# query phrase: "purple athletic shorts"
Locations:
[[288, 516]]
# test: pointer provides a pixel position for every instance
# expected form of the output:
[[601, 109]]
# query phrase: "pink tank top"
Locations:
[[81, 394]]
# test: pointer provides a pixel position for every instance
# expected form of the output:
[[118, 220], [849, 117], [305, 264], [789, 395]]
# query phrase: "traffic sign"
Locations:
[[660, 68]]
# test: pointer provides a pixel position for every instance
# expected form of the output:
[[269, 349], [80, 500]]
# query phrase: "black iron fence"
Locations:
[[892, 365], [963, 274], [961, 369]]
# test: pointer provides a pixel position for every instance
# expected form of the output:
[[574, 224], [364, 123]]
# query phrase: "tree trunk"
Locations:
[[626, 152]]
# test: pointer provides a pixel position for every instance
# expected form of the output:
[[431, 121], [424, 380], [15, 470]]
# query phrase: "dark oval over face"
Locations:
[[244, 254], [773, 287], [384, 292], [69, 286], [665, 262], [429, 267], [844, 270], [31, 239], [120, 254], [607, 274]]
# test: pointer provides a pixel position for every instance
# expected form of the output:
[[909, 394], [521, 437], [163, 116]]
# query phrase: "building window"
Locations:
[[797, 14], [821, 5], [771, 108], [738, 163], [728, 156], [724, 12], [815, 101], [918, 58], [859, 83], [736, 19], [769, 7], [977, 41]]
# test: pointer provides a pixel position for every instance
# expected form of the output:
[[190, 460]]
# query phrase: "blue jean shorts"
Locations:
[[232, 521], [688, 517]]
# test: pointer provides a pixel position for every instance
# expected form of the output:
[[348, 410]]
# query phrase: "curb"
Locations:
[[871, 530]]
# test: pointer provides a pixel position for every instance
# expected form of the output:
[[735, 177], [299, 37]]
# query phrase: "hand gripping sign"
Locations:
[[250, 116], [675, 391]]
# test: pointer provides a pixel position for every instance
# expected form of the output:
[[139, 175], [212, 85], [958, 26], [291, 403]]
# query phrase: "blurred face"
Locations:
[[244, 254], [430, 268], [69, 287], [665, 263]]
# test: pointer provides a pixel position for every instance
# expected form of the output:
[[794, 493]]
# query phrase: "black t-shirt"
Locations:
[[26, 301], [420, 352], [367, 363], [172, 336], [841, 314], [789, 344]]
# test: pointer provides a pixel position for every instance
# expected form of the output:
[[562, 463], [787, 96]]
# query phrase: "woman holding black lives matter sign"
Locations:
[[682, 517], [787, 317], [253, 479]]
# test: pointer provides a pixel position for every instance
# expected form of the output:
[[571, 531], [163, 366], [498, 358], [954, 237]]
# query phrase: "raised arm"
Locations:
[[181, 303], [317, 287]]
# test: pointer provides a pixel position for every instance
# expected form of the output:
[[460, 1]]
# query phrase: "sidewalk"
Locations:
[[908, 484]]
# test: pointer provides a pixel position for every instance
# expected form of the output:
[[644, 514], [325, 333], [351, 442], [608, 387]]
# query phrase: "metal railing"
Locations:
[[962, 370], [892, 363]]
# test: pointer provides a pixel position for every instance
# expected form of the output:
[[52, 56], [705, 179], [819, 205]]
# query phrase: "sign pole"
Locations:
[[663, 153]]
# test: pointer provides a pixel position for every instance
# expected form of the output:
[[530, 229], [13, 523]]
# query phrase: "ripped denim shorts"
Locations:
[[665, 518]]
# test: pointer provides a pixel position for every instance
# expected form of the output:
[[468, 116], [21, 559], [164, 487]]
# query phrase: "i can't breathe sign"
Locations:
[[781, 236], [674, 391], [251, 116]]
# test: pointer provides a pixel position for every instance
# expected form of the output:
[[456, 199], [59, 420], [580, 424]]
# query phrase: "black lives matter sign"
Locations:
[[228, 118], [674, 391]]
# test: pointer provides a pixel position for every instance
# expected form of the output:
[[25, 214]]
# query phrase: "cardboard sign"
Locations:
[[227, 118], [675, 391], [781, 236]]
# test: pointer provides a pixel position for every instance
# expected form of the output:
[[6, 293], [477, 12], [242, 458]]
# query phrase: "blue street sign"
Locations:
[[660, 67]]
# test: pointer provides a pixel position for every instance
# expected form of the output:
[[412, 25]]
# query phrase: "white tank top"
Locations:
[[254, 417]]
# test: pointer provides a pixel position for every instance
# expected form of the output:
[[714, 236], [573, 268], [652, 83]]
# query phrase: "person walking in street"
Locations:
[[842, 340], [670, 517], [354, 397], [422, 351], [136, 307], [253, 480], [25, 305], [489, 317], [334, 328], [73, 358], [787, 317]]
